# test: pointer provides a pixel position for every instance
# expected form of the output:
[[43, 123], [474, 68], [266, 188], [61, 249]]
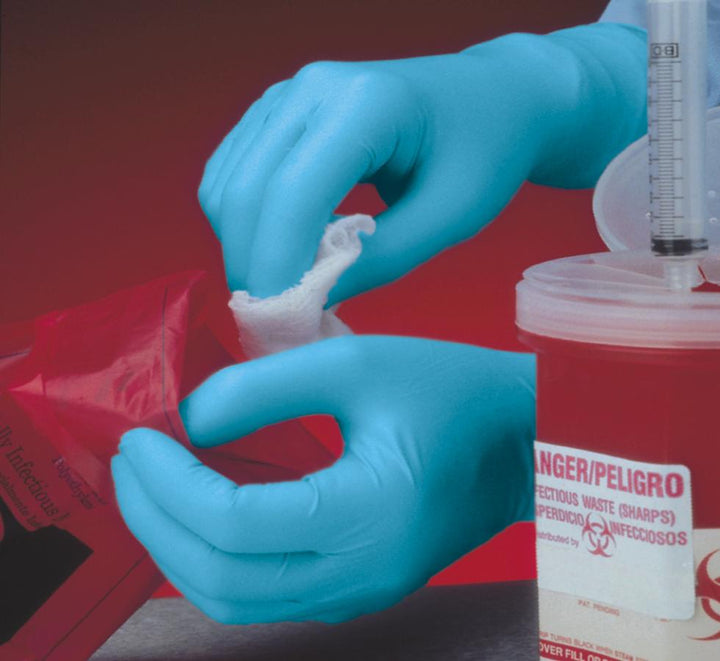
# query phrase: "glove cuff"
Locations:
[[603, 67], [583, 95]]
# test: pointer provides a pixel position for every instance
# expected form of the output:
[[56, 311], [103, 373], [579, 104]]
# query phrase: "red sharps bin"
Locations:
[[627, 457]]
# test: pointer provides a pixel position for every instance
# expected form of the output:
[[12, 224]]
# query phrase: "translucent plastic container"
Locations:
[[627, 458]]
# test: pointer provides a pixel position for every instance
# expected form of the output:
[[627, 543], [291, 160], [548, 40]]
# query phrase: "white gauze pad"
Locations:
[[296, 316]]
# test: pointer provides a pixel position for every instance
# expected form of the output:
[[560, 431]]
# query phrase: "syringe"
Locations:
[[677, 38]]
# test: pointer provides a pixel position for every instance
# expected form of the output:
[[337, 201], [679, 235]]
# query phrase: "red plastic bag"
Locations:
[[70, 385]]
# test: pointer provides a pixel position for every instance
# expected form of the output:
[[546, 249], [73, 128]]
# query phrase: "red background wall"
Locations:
[[110, 109]]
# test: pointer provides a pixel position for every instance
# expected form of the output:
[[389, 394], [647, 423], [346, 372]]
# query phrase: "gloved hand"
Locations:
[[438, 458], [446, 140]]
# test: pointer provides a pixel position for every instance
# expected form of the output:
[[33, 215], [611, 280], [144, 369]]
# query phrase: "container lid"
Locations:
[[624, 297], [621, 298], [621, 203]]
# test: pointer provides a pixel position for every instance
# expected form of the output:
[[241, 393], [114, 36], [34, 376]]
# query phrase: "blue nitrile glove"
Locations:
[[447, 140], [438, 458]]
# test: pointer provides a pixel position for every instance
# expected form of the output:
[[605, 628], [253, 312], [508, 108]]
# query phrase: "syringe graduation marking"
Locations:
[[664, 116], [676, 74]]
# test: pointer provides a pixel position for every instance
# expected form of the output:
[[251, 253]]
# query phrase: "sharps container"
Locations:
[[627, 457]]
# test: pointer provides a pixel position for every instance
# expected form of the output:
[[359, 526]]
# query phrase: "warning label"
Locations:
[[615, 530]]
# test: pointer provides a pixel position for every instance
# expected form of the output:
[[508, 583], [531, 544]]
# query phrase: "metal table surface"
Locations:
[[489, 622]]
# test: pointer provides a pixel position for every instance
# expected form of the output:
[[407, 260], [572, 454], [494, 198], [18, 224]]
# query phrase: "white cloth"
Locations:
[[297, 315]]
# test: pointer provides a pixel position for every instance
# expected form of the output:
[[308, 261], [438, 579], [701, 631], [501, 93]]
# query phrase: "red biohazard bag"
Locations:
[[70, 384]]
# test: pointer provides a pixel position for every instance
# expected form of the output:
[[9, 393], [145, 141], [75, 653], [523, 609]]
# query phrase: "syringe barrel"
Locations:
[[677, 45]]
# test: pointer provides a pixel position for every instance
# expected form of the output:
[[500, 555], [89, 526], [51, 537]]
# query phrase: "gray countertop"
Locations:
[[489, 622]]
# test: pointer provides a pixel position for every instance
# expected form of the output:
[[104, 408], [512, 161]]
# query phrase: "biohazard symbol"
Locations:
[[708, 592], [597, 536]]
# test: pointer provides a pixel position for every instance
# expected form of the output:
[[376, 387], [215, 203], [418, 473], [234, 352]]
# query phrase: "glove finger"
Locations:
[[233, 146], [241, 192], [425, 220], [344, 141], [230, 612], [306, 515], [317, 378], [243, 612], [203, 567]]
